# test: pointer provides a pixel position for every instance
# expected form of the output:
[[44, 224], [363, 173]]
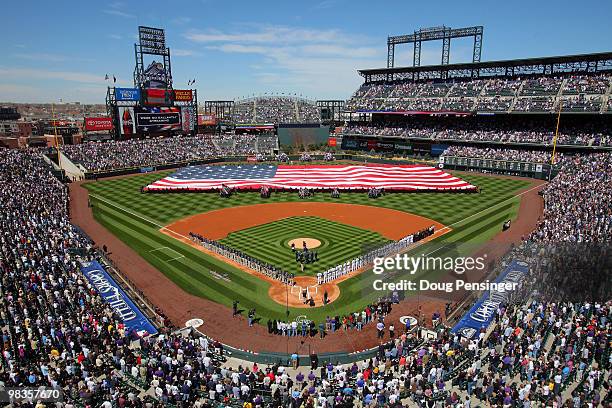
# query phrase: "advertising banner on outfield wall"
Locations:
[[482, 313], [119, 301], [207, 120], [438, 149], [379, 145], [127, 125], [127, 94], [183, 95], [332, 142], [367, 144], [93, 124]]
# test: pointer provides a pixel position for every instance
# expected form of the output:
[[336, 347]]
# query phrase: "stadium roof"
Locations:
[[587, 63]]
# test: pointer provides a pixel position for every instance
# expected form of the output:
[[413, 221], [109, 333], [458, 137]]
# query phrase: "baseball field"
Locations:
[[145, 222], [269, 242]]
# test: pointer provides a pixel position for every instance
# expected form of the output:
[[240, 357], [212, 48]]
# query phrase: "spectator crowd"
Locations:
[[276, 109], [530, 94], [487, 134], [543, 349], [160, 151], [531, 156], [578, 202]]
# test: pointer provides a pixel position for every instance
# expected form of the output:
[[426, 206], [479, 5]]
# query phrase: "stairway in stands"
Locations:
[[559, 98], [297, 112], [605, 98], [516, 96]]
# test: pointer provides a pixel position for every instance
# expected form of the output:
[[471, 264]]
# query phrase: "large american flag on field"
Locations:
[[356, 177]]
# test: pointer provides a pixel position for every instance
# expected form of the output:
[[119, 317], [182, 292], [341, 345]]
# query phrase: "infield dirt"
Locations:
[[217, 224]]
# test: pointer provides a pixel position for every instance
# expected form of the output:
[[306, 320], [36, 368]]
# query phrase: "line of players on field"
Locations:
[[308, 256], [368, 258], [244, 259]]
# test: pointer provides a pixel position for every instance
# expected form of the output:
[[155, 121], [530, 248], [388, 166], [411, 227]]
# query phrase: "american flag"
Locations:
[[355, 177]]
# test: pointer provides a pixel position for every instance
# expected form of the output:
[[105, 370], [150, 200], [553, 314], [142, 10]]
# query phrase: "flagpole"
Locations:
[[59, 157]]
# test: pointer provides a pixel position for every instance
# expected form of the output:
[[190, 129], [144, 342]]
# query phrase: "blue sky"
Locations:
[[63, 48]]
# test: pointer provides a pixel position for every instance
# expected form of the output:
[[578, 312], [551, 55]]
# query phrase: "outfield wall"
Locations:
[[529, 170], [92, 175]]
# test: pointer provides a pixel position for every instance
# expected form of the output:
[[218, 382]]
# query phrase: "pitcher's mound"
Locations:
[[311, 243]]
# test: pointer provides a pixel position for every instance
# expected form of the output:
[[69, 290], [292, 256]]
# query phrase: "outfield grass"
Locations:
[[269, 242], [136, 218]]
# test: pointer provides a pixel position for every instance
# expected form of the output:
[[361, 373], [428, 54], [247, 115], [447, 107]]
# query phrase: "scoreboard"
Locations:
[[509, 165], [538, 170]]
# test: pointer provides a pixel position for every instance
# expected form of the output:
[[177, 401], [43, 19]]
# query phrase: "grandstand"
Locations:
[[276, 110], [536, 85], [506, 95], [166, 152], [499, 110], [544, 346]]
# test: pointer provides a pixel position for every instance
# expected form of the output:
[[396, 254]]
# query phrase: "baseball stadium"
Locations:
[[437, 237]]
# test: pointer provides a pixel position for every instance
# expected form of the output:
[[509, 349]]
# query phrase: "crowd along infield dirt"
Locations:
[[180, 306]]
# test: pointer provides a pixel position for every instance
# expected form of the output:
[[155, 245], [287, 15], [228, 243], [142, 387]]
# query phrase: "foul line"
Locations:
[[142, 217], [480, 212], [180, 256], [493, 206]]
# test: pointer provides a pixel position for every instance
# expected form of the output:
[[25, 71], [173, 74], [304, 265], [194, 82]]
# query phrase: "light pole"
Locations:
[[54, 123]]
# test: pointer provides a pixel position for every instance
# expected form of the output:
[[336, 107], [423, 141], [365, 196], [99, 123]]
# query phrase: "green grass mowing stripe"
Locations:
[[443, 248], [265, 242], [157, 240], [227, 296], [360, 287], [498, 210], [422, 200], [271, 258], [177, 274], [198, 284], [274, 309]]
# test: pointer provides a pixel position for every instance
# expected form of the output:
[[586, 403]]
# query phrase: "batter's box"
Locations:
[[166, 254]]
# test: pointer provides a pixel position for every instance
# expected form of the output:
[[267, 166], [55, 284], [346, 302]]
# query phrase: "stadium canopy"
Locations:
[[579, 64]]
